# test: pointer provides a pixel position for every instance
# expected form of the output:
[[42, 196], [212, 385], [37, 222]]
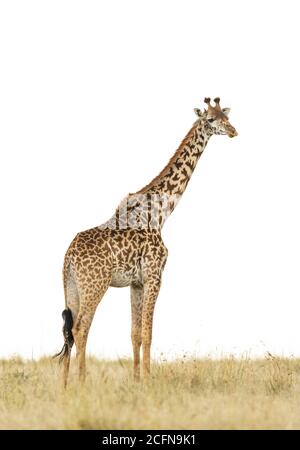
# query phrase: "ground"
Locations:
[[184, 394]]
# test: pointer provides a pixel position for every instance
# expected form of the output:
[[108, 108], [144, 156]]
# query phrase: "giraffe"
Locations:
[[128, 249]]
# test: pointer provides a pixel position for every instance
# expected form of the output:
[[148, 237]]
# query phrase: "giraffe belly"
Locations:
[[123, 279]]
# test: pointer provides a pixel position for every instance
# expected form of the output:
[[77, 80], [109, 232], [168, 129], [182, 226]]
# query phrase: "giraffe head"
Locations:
[[216, 118]]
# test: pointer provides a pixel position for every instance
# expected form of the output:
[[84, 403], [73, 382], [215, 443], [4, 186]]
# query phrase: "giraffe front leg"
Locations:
[[151, 291], [136, 293]]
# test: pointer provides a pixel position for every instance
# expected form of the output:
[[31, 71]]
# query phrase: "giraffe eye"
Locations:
[[210, 120]]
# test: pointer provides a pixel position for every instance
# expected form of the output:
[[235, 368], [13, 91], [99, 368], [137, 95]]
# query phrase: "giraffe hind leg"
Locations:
[[69, 316], [65, 354], [88, 305]]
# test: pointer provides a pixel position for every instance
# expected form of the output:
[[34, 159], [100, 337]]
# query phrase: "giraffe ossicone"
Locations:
[[128, 249]]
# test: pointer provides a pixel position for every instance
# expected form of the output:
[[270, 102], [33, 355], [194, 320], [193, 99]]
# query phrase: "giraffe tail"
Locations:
[[68, 336]]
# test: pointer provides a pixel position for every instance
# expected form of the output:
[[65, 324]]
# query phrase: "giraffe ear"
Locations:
[[198, 112], [226, 111]]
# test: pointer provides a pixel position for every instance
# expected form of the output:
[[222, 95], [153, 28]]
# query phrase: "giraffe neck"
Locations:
[[152, 205], [174, 178]]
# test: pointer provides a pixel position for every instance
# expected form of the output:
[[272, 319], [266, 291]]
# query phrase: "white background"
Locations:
[[94, 99]]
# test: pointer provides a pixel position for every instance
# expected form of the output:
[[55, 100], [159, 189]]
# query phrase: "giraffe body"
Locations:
[[99, 258], [128, 250]]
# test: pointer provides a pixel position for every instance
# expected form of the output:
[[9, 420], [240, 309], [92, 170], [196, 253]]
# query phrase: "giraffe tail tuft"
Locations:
[[68, 336]]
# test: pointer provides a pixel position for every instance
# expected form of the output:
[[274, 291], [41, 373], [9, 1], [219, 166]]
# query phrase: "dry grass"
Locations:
[[186, 394]]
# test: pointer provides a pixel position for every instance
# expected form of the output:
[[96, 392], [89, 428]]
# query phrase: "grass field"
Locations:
[[185, 394]]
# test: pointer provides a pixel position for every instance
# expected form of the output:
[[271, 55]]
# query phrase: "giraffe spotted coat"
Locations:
[[128, 249]]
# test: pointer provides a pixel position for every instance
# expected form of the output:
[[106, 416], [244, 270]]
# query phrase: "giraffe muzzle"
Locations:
[[232, 133]]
